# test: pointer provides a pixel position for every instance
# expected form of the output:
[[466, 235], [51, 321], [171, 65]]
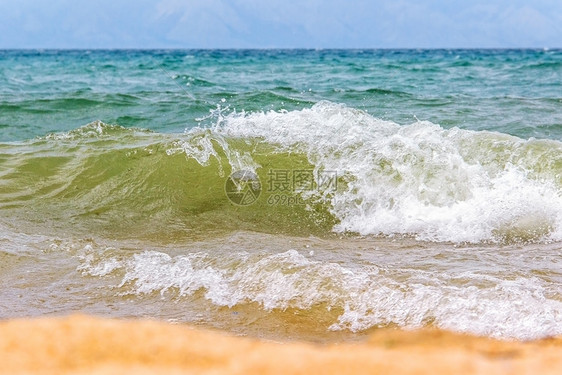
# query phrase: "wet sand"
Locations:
[[87, 345]]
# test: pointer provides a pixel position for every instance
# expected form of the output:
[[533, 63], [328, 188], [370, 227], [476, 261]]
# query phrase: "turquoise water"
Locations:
[[511, 91], [313, 194]]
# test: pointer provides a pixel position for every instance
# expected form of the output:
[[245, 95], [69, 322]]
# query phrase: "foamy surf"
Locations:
[[465, 289], [418, 180]]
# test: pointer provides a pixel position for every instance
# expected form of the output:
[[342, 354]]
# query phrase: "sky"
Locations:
[[280, 24]]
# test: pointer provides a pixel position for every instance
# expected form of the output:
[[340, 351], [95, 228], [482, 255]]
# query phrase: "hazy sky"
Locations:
[[279, 23]]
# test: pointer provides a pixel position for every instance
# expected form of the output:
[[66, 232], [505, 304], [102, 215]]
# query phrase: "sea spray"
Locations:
[[419, 179]]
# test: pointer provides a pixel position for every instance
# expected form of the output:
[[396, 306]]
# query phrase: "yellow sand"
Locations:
[[87, 345]]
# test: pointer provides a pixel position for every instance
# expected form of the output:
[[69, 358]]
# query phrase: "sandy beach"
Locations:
[[87, 345]]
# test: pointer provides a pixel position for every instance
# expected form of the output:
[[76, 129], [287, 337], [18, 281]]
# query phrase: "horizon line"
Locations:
[[278, 48]]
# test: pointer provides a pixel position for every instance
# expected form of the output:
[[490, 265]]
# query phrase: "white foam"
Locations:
[[95, 262], [521, 307], [199, 146], [420, 179]]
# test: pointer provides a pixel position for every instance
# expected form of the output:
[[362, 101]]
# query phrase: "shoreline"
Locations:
[[80, 344]]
